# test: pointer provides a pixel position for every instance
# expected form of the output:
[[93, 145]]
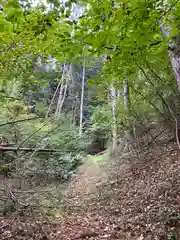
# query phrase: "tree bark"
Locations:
[[82, 100], [173, 49], [114, 111], [59, 103], [126, 107], [15, 149], [174, 55], [54, 95]]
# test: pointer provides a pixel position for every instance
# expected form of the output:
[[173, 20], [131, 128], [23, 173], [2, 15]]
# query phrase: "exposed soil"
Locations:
[[139, 201]]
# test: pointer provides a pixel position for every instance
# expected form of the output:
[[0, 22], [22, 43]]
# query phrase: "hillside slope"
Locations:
[[139, 201]]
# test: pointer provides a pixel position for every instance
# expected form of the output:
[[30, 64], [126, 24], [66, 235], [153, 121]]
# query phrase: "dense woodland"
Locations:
[[81, 78]]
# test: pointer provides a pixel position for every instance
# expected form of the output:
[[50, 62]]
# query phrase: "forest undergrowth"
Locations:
[[113, 200]]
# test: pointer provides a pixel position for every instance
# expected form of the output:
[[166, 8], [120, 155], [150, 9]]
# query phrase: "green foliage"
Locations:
[[123, 37], [40, 134], [126, 32], [101, 117], [49, 135], [58, 167]]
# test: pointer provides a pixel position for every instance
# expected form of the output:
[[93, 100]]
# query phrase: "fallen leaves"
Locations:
[[136, 202]]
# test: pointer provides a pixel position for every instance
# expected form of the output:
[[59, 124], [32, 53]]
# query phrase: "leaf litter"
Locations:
[[139, 201]]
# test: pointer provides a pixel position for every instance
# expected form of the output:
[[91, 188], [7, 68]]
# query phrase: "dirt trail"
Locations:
[[89, 176], [140, 201]]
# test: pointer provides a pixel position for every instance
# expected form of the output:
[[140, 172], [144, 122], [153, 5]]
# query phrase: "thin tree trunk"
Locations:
[[62, 99], [75, 104], [126, 107], [62, 94], [52, 100], [82, 100], [114, 111], [174, 55], [57, 113], [173, 49], [128, 133], [126, 96]]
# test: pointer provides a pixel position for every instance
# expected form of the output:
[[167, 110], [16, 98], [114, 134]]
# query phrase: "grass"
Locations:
[[97, 158]]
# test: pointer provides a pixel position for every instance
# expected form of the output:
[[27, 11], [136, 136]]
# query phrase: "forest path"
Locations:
[[114, 201], [89, 176]]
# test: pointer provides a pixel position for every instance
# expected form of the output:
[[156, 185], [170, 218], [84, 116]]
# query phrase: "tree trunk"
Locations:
[[126, 96], [62, 92], [129, 131], [114, 120], [174, 54], [126, 107], [173, 49], [57, 113], [82, 100], [54, 95]]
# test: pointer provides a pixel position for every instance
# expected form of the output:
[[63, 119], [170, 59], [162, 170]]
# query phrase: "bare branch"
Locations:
[[15, 149], [18, 121]]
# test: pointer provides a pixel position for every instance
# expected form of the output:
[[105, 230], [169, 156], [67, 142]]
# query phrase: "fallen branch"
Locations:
[[153, 139], [7, 145], [11, 194], [15, 149], [18, 121]]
